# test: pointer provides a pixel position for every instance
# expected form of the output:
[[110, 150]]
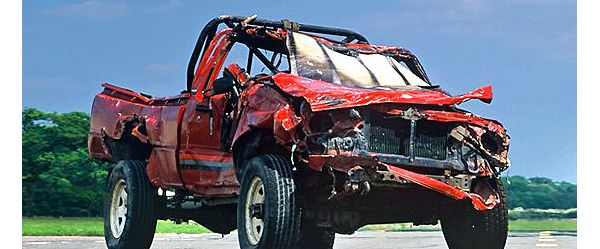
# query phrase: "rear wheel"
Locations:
[[268, 210], [468, 228], [129, 207]]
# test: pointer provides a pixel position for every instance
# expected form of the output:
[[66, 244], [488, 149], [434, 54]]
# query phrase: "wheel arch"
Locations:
[[255, 142], [128, 145]]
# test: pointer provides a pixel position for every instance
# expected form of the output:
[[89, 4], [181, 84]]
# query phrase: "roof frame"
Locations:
[[209, 31]]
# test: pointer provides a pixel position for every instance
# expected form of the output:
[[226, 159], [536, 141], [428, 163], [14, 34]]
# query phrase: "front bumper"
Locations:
[[446, 185], [478, 202]]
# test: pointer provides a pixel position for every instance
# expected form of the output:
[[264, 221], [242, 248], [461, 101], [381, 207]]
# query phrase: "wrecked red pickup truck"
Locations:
[[338, 134]]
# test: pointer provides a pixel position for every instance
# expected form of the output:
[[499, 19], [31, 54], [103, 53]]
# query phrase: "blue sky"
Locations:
[[526, 49]]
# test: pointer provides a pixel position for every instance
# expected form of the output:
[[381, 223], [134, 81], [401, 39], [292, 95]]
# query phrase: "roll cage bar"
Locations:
[[209, 31]]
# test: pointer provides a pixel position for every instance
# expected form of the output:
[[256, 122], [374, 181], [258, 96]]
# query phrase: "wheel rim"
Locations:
[[118, 208], [254, 207]]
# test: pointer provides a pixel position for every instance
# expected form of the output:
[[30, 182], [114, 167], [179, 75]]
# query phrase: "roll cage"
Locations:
[[270, 35], [235, 23]]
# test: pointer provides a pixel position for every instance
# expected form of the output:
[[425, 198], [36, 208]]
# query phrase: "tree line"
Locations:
[[540, 193], [59, 178]]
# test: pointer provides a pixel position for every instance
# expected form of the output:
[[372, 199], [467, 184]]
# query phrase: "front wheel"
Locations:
[[129, 207], [268, 208], [467, 228]]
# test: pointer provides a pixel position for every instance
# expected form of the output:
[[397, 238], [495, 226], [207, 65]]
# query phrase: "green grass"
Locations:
[[561, 225], [47, 226]]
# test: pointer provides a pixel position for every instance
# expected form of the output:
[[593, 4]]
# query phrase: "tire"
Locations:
[[313, 237], [130, 207], [468, 228], [268, 211]]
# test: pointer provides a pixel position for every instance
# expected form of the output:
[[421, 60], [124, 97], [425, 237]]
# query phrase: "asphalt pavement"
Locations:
[[359, 240]]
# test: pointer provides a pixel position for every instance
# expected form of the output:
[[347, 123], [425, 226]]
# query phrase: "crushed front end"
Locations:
[[389, 144], [404, 157]]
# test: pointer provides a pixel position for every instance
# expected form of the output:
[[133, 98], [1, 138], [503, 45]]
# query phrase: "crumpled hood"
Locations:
[[323, 95]]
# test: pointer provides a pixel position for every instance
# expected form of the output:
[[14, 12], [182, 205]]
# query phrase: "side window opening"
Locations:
[[240, 54], [279, 60]]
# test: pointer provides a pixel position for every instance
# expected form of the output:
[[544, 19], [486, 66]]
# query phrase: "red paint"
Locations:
[[444, 116], [237, 72], [205, 170], [478, 202], [211, 55]]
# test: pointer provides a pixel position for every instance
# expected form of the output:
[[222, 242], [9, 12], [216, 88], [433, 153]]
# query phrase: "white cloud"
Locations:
[[92, 9]]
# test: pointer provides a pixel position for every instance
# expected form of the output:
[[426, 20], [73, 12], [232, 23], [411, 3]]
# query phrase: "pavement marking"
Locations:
[[544, 237]]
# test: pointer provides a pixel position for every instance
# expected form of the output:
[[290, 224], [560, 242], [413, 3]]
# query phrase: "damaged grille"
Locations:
[[385, 140], [392, 136], [429, 145]]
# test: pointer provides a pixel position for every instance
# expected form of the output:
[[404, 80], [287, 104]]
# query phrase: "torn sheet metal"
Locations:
[[260, 103], [478, 202], [323, 95]]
